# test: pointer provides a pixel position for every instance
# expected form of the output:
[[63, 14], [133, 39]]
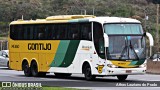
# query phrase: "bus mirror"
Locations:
[[151, 41], [106, 40]]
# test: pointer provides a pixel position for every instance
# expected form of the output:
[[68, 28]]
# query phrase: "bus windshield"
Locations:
[[126, 47], [126, 42], [123, 28]]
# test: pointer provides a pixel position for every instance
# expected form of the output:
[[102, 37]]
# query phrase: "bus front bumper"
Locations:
[[125, 71]]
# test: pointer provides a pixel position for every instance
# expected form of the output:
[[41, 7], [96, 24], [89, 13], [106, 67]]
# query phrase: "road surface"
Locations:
[[78, 81]]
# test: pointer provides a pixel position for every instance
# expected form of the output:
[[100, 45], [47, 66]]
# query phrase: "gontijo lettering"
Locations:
[[39, 46]]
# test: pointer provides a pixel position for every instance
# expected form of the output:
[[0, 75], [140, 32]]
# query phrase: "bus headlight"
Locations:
[[112, 66], [143, 65]]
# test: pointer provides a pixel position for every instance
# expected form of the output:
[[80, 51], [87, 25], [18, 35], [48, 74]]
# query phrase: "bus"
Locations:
[[78, 44]]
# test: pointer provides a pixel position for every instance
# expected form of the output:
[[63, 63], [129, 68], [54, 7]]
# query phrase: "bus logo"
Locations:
[[87, 48], [100, 68], [39, 46]]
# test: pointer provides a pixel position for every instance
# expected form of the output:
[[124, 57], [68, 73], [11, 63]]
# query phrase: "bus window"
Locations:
[[73, 32], [14, 32], [61, 32], [51, 32], [86, 32], [98, 39], [41, 33]]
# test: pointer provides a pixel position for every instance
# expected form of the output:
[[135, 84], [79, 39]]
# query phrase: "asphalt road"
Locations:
[[78, 81]]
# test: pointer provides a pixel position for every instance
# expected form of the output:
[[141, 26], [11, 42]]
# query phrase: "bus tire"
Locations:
[[87, 73], [26, 69], [63, 74], [122, 77], [34, 69]]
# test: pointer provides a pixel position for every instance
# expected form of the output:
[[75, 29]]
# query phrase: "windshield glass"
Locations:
[[126, 41], [117, 28], [126, 48]]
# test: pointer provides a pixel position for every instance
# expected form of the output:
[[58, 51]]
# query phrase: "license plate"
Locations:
[[128, 71]]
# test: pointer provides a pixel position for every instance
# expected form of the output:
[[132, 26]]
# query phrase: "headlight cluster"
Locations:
[[112, 66]]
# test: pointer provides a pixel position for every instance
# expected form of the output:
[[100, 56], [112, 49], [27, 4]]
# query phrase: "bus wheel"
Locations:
[[34, 69], [26, 69], [87, 73], [122, 77], [63, 74]]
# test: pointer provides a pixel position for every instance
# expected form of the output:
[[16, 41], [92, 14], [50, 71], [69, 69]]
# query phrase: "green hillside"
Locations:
[[32, 9]]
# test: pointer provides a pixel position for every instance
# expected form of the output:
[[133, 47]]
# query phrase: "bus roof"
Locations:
[[76, 18], [114, 20]]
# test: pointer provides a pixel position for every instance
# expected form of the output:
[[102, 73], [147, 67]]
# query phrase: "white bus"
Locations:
[[85, 44]]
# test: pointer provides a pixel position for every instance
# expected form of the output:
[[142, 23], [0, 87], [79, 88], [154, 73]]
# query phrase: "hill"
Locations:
[[33, 9]]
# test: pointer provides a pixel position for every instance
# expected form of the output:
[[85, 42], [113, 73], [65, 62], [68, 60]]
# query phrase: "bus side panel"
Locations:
[[29, 57], [42, 61], [45, 59], [88, 53], [15, 62], [84, 53]]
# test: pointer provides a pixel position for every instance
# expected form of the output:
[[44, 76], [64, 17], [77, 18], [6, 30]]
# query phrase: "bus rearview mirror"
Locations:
[[106, 40], [150, 39]]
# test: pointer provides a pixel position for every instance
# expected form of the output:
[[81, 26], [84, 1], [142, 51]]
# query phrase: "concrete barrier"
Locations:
[[153, 67]]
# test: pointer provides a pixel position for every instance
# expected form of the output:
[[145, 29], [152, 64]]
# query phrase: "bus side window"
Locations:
[[98, 39], [41, 33], [86, 31], [51, 34], [75, 32], [61, 32]]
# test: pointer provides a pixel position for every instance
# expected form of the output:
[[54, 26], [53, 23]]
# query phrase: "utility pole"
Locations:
[[145, 19], [157, 27], [93, 11], [84, 11]]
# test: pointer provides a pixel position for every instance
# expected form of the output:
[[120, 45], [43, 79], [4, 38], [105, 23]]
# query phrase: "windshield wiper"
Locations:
[[133, 50], [125, 49]]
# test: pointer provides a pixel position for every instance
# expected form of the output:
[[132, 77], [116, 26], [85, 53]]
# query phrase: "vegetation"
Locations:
[[33, 9]]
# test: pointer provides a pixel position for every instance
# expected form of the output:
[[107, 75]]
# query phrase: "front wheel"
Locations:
[[87, 73], [122, 77]]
